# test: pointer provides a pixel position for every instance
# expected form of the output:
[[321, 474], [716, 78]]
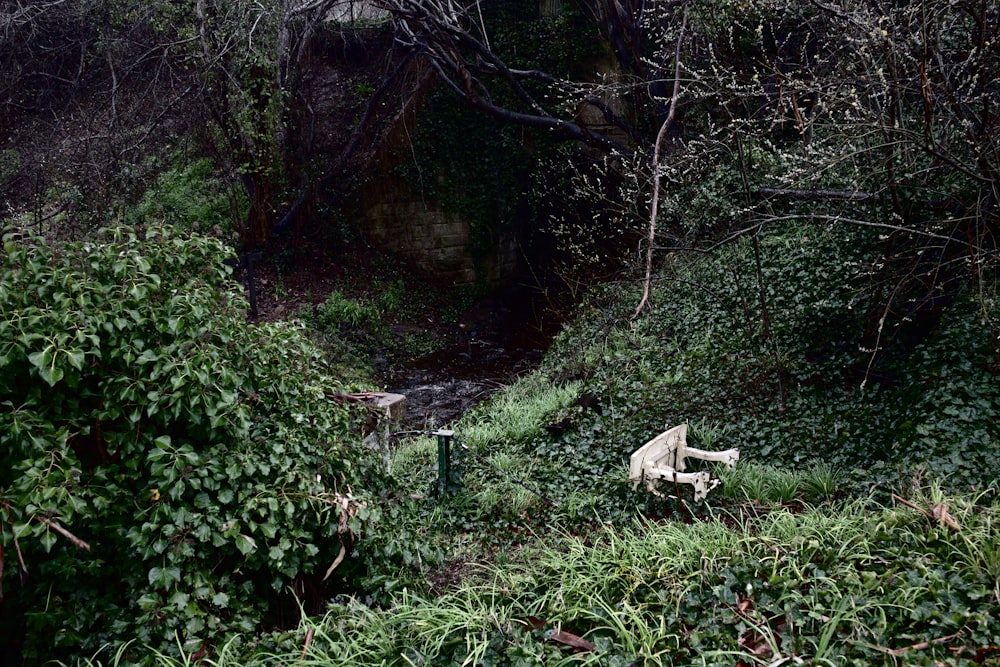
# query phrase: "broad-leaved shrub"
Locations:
[[168, 473]]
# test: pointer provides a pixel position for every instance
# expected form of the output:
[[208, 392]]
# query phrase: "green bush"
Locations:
[[339, 314], [192, 197], [168, 474], [855, 583]]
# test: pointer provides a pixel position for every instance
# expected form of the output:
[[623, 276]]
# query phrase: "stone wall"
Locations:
[[430, 238], [439, 242], [394, 215]]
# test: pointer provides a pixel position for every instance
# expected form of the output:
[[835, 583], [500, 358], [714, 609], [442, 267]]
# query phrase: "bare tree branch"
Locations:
[[55, 525], [764, 220], [445, 34], [655, 203], [815, 195]]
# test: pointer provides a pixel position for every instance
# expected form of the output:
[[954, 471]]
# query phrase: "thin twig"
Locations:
[[309, 638], [655, 203], [836, 218], [54, 525], [919, 646]]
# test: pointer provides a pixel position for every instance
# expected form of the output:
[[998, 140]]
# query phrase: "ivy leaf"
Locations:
[[195, 625], [245, 544], [48, 540], [179, 599], [146, 357], [163, 371], [163, 577], [21, 530], [75, 358], [44, 361]]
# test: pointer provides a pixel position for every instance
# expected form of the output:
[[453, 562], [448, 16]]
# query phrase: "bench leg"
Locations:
[[701, 482]]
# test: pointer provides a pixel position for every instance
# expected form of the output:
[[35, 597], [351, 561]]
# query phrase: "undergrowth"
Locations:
[[858, 528], [852, 583]]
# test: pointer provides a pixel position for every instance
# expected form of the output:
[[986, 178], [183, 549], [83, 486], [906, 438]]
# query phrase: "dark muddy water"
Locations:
[[499, 338]]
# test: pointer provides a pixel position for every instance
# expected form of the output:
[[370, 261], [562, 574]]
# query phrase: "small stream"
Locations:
[[499, 338]]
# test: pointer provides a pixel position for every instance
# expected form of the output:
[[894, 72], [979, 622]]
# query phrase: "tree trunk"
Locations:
[[260, 216]]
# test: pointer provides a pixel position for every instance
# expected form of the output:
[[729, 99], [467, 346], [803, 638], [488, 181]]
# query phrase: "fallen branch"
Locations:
[[919, 646], [939, 513], [305, 647]]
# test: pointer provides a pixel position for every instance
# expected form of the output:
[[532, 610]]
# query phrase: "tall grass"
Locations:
[[770, 485], [517, 413], [828, 585]]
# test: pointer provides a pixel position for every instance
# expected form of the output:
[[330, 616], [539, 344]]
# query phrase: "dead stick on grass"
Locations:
[[305, 647], [909, 504], [937, 513], [919, 646]]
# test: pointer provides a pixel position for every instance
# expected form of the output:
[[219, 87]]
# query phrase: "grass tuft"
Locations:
[[516, 414]]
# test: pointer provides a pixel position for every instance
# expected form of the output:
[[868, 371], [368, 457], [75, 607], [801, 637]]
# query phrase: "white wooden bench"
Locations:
[[662, 459]]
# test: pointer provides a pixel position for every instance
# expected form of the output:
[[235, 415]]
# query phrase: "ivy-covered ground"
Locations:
[[860, 526]]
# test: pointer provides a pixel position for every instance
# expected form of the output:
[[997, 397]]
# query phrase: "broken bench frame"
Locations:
[[662, 460]]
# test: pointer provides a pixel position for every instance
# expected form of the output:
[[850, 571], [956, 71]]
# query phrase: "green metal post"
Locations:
[[444, 459]]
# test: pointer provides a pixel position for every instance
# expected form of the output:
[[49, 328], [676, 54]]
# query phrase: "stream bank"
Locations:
[[502, 335], [477, 343]]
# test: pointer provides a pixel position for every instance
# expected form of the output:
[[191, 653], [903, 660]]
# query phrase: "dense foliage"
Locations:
[[805, 553], [859, 528], [169, 472], [859, 586], [189, 195], [835, 167]]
